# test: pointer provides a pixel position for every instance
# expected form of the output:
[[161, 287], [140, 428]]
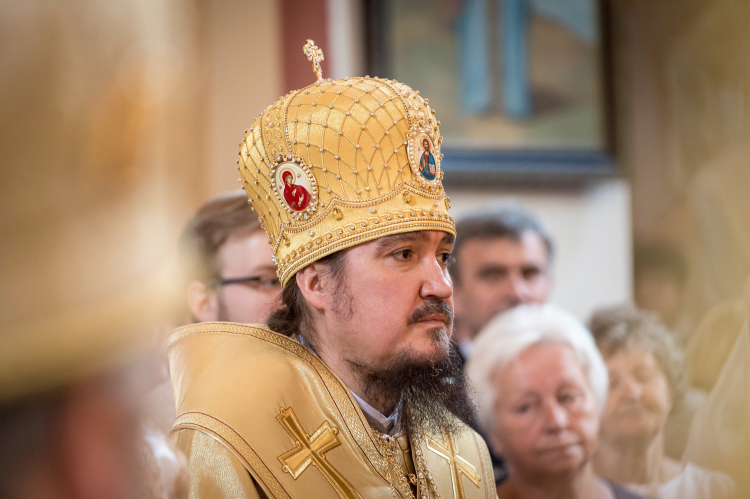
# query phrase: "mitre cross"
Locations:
[[458, 465], [314, 55]]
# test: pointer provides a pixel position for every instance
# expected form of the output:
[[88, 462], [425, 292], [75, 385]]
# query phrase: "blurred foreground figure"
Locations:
[[231, 274], [542, 386], [353, 391], [660, 278], [715, 338], [646, 380], [720, 435], [84, 258], [503, 258]]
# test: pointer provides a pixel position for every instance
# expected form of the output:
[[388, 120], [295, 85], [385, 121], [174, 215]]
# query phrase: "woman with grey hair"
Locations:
[[541, 385], [646, 379]]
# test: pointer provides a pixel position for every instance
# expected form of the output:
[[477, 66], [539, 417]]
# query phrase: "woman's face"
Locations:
[[546, 420], [639, 401]]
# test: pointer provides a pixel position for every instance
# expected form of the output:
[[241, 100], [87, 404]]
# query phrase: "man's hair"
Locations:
[[623, 327], [220, 219], [508, 222], [293, 316]]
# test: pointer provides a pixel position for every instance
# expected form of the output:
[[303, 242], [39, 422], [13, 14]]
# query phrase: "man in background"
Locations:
[[503, 258], [230, 271], [229, 276]]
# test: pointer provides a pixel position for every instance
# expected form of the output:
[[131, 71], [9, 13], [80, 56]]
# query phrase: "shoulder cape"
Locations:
[[294, 425]]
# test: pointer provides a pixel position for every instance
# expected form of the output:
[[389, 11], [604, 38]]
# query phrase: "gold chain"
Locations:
[[389, 447]]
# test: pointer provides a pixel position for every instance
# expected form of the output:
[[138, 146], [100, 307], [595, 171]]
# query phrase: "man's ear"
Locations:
[[203, 302], [309, 283]]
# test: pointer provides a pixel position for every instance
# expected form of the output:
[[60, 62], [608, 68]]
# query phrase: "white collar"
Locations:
[[386, 425]]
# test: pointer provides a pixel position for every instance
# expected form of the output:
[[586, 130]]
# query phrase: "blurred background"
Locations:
[[638, 144], [622, 124]]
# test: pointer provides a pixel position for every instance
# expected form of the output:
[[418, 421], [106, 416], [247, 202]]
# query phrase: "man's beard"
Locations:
[[434, 394]]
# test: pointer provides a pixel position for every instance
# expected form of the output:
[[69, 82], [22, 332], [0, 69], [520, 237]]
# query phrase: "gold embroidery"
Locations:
[[388, 448], [228, 435], [342, 397], [487, 471], [311, 450], [458, 465]]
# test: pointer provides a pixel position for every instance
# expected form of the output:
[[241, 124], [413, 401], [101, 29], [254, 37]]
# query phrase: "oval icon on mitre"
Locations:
[[425, 159], [293, 186]]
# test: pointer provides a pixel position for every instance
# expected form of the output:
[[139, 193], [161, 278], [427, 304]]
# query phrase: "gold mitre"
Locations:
[[342, 162]]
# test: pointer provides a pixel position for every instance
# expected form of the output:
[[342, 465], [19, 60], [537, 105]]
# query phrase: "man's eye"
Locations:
[[272, 282], [531, 273], [447, 259], [492, 275], [403, 254]]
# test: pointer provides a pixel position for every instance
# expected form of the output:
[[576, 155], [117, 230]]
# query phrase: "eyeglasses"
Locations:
[[260, 283]]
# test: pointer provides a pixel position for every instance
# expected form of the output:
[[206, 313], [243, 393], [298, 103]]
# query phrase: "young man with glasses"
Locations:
[[230, 272]]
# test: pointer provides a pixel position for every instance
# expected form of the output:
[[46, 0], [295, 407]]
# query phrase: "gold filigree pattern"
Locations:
[[353, 138], [459, 466], [487, 472]]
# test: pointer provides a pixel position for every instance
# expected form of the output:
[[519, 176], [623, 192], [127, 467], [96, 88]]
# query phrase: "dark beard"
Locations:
[[434, 394]]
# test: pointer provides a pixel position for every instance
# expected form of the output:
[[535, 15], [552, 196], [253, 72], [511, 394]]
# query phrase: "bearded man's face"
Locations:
[[390, 319]]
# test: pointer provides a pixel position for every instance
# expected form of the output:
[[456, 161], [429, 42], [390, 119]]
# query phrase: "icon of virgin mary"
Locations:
[[296, 196], [427, 166]]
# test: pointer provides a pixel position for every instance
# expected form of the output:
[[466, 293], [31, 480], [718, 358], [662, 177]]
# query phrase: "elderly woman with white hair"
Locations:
[[541, 386]]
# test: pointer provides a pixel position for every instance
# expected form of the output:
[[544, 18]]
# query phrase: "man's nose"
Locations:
[[519, 288], [437, 282]]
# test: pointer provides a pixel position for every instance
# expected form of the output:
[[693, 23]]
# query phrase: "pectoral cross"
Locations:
[[312, 450], [458, 465], [314, 55]]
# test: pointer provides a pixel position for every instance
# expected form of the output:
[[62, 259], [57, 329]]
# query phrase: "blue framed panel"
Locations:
[[523, 87]]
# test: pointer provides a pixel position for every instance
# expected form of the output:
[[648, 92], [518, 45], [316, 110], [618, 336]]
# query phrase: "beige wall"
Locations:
[[591, 226], [243, 54]]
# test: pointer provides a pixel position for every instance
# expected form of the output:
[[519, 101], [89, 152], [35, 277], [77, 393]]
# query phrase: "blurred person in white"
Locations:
[[660, 276], [647, 378], [84, 253], [503, 258], [720, 435], [541, 385], [231, 275]]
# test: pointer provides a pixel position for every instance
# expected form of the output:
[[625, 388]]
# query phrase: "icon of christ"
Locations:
[[427, 166]]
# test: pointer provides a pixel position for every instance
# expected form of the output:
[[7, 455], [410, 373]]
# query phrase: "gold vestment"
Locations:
[[259, 415]]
